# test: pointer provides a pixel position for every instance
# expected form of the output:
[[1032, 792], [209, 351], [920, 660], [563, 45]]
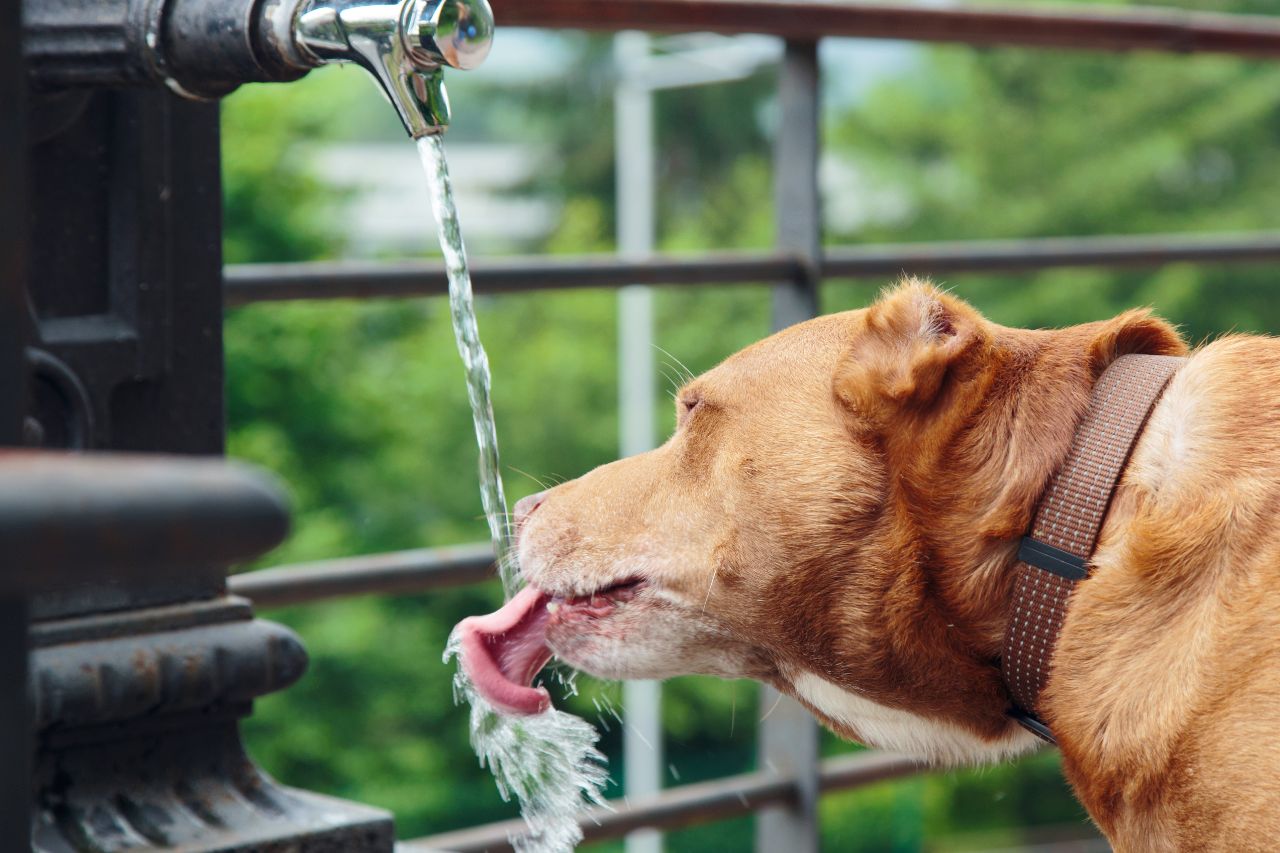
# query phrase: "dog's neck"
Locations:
[[996, 452], [963, 474]]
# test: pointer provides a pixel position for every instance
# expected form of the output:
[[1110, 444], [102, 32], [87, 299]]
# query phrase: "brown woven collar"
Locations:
[[1055, 556]]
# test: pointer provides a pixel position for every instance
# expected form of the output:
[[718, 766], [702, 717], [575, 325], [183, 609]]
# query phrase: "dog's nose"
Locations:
[[525, 507]]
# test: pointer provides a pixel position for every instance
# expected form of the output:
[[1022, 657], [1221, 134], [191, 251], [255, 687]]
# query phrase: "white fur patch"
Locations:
[[934, 741]]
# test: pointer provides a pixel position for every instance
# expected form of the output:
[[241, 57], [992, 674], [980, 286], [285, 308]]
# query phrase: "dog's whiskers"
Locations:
[[710, 585], [776, 702], [542, 484], [674, 382], [688, 374]]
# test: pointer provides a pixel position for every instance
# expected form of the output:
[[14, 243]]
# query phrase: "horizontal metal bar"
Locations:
[[685, 805], [1051, 252], [76, 518], [398, 572], [1171, 30], [265, 282]]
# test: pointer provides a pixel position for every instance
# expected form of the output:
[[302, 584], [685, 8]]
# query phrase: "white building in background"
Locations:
[[386, 210]]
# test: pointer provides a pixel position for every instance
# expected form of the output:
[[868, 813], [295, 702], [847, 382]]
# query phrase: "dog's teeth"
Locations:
[[553, 606]]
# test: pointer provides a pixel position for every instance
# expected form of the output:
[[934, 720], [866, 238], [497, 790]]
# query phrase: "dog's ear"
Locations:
[[915, 340], [1133, 331]]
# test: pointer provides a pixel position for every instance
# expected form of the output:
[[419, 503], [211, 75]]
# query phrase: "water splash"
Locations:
[[549, 761]]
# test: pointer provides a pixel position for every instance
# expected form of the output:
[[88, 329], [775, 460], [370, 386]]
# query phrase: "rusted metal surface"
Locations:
[[68, 519], [398, 572], [1170, 30], [686, 805], [323, 280]]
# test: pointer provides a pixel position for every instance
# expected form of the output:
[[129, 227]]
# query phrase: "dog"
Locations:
[[837, 514]]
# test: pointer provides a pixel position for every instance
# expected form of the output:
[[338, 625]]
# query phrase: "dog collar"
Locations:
[[1055, 556]]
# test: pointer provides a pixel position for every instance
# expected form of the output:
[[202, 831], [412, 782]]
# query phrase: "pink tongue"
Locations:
[[503, 651]]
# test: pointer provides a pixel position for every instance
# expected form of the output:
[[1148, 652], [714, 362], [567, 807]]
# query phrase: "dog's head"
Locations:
[[834, 514]]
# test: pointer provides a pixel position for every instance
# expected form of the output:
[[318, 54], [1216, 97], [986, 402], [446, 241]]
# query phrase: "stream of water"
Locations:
[[549, 761]]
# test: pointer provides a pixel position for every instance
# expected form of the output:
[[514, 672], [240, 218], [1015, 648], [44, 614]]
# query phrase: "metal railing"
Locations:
[[248, 283], [787, 795], [687, 805]]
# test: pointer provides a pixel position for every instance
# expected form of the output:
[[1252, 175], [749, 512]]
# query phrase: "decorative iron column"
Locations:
[[119, 524]]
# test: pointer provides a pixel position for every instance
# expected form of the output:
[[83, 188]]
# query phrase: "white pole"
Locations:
[[634, 169]]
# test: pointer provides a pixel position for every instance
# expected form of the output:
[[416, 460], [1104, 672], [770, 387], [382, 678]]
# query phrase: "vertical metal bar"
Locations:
[[13, 222], [634, 167], [15, 711], [15, 727], [795, 181], [788, 735]]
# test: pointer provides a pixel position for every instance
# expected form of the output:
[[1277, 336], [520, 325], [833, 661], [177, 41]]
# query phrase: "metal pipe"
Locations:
[[328, 280], [1169, 30], [397, 573], [202, 49], [686, 805], [197, 48]]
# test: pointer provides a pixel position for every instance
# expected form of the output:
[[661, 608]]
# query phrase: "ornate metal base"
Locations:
[[139, 747], [190, 789]]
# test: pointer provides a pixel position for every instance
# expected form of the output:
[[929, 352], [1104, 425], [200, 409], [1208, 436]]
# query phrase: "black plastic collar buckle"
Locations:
[[1042, 555], [1032, 723]]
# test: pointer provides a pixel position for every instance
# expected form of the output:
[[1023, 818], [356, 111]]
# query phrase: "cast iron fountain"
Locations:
[[142, 665]]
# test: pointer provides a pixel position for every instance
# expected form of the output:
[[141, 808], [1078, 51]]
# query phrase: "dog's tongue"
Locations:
[[504, 650]]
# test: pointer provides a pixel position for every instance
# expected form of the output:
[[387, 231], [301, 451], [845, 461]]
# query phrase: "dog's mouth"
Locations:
[[503, 651]]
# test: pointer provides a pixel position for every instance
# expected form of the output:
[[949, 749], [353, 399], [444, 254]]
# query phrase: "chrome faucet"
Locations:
[[405, 45]]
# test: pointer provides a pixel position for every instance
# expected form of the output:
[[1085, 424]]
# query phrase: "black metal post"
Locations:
[[15, 711], [15, 726]]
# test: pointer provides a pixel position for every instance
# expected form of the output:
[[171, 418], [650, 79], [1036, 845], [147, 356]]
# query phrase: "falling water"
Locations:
[[548, 760]]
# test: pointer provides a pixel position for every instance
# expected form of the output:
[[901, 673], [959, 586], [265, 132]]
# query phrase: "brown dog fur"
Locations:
[[837, 514]]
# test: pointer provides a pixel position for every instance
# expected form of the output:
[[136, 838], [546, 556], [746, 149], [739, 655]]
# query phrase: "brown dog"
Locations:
[[837, 514]]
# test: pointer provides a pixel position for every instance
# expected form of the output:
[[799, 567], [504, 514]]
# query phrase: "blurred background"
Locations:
[[360, 406]]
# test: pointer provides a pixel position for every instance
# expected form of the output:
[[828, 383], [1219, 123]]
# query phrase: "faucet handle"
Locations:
[[457, 33]]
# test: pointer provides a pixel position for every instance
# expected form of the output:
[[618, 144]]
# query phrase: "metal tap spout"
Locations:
[[404, 45]]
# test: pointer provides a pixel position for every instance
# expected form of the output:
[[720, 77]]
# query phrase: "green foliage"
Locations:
[[361, 406], [1016, 143]]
